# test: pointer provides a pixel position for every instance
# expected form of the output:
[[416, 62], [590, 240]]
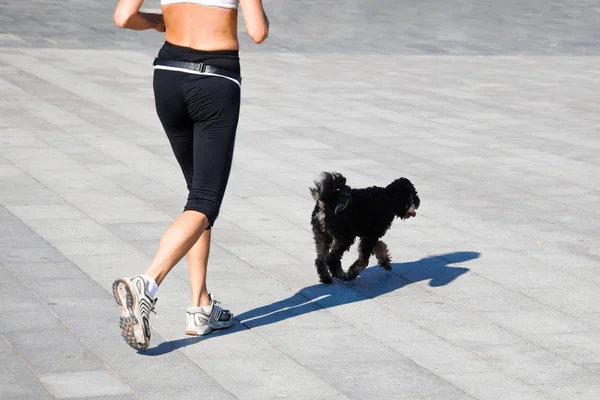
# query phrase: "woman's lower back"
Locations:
[[201, 27]]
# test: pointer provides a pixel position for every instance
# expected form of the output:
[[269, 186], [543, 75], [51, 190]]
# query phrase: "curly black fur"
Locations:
[[341, 214]]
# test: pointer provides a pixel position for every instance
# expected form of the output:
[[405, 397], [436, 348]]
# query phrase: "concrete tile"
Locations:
[[580, 348], [116, 397], [381, 323], [30, 254], [386, 380], [16, 380], [138, 231], [582, 299], [57, 230], [92, 247], [529, 363], [479, 294], [12, 316], [442, 357], [581, 385], [14, 233], [66, 354], [541, 321], [255, 376], [45, 212], [120, 214], [31, 272], [84, 384], [533, 276], [493, 385], [431, 313], [475, 337]]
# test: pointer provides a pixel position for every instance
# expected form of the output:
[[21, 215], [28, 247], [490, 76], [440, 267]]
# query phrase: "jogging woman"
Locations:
[[197, 87]]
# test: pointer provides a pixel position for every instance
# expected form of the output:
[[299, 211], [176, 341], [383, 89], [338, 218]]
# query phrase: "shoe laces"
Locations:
[[152, 310], [224, 310], [215, 301]]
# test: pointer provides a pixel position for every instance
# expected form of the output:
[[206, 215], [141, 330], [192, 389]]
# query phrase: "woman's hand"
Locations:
[[160, 27], [157, 19]]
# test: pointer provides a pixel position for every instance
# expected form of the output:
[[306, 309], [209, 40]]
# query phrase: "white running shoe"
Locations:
[[136, 305], [200, 323]]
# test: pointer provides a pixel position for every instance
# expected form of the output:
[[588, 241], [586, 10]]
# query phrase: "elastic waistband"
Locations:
[[226, 59], [197, 68]]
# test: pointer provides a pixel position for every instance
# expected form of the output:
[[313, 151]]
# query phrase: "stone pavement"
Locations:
[[494, 292]]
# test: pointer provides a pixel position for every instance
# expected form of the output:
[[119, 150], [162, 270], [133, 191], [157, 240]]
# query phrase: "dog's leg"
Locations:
[[322, 243], [365, 249], [334, 258], [382, 253]]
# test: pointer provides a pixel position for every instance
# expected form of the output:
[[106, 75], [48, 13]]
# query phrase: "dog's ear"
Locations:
[[343, 201], [314, 192]]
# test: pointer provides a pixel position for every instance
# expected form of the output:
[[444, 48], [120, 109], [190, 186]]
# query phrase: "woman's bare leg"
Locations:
[[197, 259], [176, 242]]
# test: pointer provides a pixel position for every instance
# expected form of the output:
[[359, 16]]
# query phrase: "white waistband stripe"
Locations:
[[189, 71]]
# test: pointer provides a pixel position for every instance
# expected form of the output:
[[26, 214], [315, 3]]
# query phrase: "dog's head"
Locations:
[[404, 197]]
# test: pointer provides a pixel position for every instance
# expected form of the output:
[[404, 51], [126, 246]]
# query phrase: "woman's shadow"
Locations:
[[372, 282]]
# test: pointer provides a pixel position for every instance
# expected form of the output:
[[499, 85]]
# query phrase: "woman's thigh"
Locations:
[[173, 114], [214, 105]]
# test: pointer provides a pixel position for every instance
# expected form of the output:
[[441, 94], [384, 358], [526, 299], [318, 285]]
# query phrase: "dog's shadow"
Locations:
[[372, 282]]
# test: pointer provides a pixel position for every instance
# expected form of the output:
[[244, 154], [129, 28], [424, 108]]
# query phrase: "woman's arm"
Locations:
[[128, 16], [257, 23]]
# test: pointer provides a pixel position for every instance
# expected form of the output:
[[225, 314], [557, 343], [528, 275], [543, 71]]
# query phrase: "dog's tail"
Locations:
[[331, 192]]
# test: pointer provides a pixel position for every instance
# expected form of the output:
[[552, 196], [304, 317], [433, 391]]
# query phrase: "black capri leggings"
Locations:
[[199, 114]]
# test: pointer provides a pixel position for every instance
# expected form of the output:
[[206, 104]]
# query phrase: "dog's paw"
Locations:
[[342, 276], [387, 267], [350, 276], [326, 280]]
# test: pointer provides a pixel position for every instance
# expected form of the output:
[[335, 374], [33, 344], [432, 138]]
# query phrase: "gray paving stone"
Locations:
[[57, 230], [16, 234], [16, 315], [442, 357], [16, 380], [22, 190], [530, 363], [541, 321], [493, 385], [583, 299], [583, 385], [66, 354], [117, 397], [430, 313], [138, 231], [475, 338], [250, 368], [92, 247], [52, 282], [84, 384], [64, 211], [580, 348], [533, 276], [29, 254], [385, 382]]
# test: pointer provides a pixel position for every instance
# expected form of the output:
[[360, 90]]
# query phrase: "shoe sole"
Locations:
[[198, 333], [207, 330], [132, 328]]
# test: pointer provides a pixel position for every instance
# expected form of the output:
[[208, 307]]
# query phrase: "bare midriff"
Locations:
[[201, 27]]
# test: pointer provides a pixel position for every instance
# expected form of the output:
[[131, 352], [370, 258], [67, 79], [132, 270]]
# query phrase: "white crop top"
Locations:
[[214, 3]]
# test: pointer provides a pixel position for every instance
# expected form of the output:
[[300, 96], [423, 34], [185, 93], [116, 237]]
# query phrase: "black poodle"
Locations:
[[342, 214]]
